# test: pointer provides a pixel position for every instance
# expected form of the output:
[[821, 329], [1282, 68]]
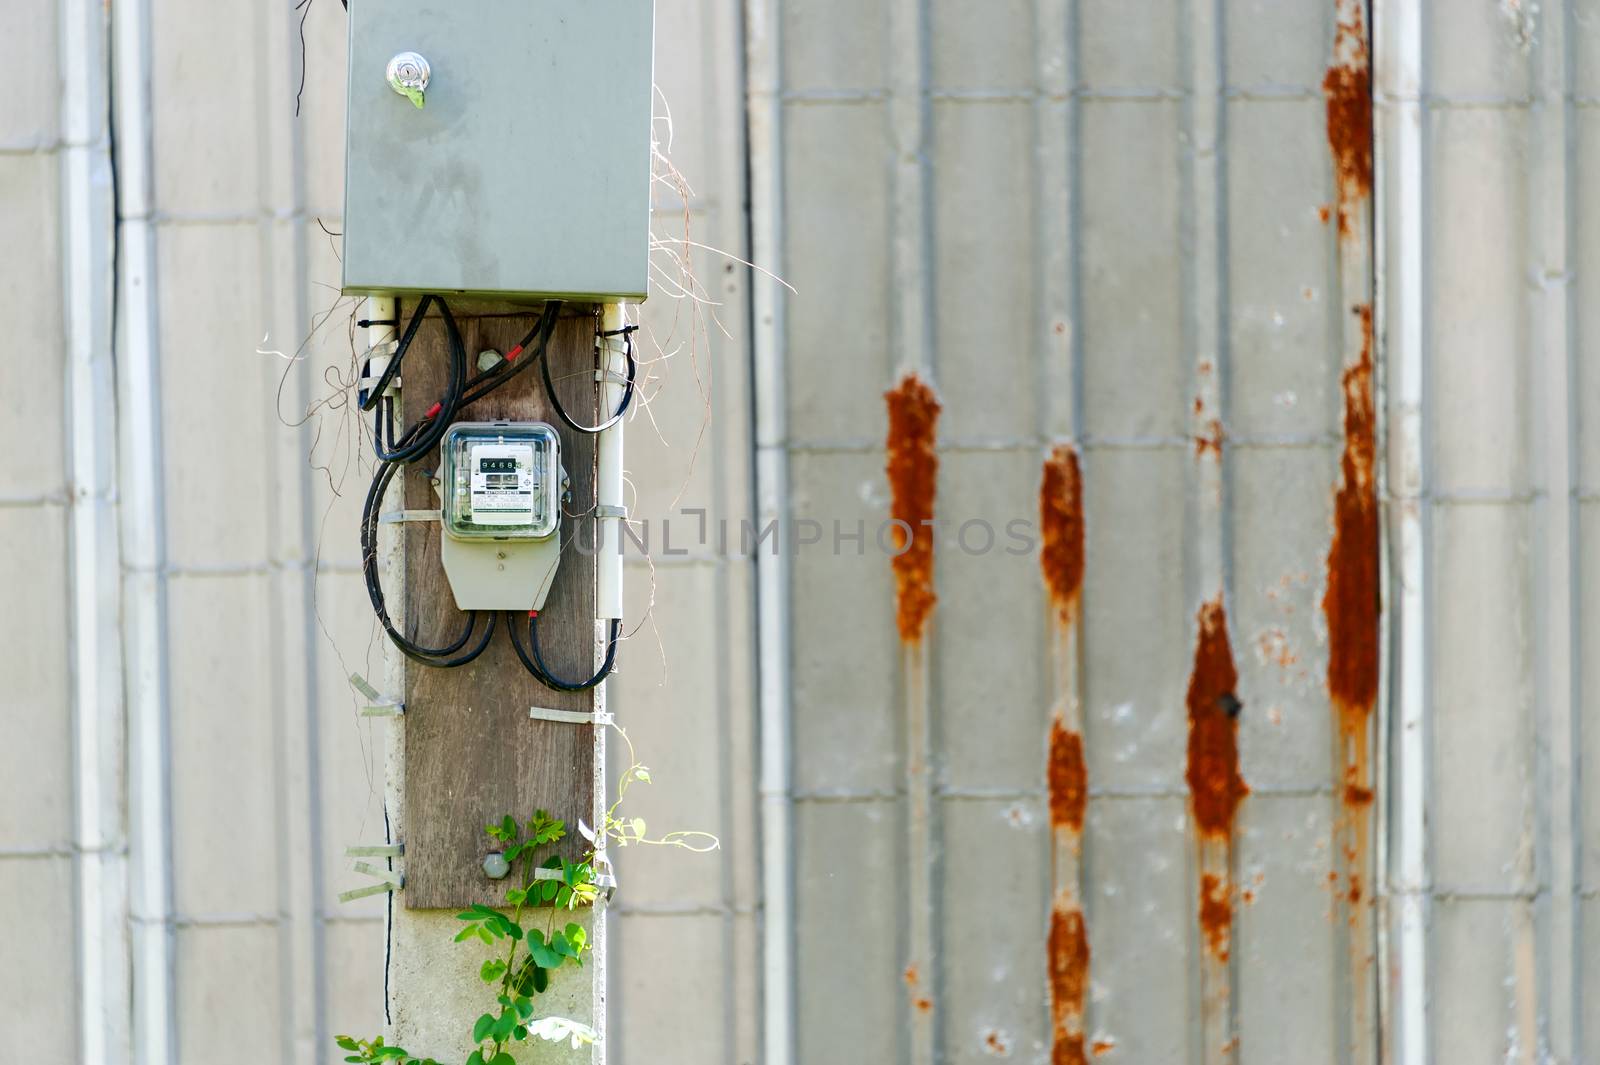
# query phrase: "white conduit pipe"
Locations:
[[143, 547], [100, 832], [1398, 54], [609, 489], [764, 115]]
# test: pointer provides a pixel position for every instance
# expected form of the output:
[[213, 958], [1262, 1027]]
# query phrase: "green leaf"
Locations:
[[480, 1030], [514, 851], [505, 926], [544, 956], [346, 1043], [541, 978], [492, 970], [524, 1007], [641, 774], [559, 944], [503, 1026], [356, 1057], [521, 1033], [577, 936], [503, 1058], [548, 889], [467, 932], [389, 1054], [476, 1058], [516, 896]]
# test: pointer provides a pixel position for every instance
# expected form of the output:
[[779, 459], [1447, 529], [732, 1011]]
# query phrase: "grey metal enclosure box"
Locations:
[[527, 171]]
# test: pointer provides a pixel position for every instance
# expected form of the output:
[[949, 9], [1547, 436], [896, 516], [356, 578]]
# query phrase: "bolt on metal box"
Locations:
[[499, 148]]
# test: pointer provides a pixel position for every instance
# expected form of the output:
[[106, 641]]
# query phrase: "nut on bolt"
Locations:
[[495, 866]]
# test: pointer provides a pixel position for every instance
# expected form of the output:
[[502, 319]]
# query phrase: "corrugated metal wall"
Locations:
[[1126, 246], [1105, 228], [1485, 136], [37, 828]]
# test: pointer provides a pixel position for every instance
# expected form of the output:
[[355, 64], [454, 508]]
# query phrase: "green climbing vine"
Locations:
[[525, 955]]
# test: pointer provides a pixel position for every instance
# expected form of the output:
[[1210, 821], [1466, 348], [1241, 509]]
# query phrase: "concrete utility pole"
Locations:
[[466, 751]]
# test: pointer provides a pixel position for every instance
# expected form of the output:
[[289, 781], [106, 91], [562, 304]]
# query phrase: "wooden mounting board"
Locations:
[[471, 753]]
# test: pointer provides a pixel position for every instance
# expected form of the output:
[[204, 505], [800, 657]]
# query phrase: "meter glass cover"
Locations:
[[501, 481]]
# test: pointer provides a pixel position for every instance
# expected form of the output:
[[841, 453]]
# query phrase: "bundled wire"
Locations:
[[538, 337], [442, 657], [535, 663], [424, 434], [627, 393], [421, 437]]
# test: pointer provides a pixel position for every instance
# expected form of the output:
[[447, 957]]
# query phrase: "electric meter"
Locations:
[[500, 488], [502, 481]]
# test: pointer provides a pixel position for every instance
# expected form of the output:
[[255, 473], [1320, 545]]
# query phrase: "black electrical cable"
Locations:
[[542, 673], [426, 433], [429, 656], [538, 338], [627, 395]]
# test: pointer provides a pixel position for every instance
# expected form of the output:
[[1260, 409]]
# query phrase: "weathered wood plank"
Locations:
[[472, 754]]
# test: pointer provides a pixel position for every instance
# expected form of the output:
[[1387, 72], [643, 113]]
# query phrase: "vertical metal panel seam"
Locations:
[[1203, 218], [1558, 753], [912, 348], [1352, 596], [721, 41], [298, 303], [1068, 962], [304, 974], [290, 983]]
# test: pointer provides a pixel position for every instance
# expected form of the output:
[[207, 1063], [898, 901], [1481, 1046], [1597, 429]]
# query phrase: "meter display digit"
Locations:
[[502, 484]]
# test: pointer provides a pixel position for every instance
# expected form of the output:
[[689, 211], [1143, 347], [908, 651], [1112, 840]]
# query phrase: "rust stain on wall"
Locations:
[[1061, 530], [1061, 561], [1209, 442], [913, 469], [1216, 914], [1347, 92], [1215, 786], [1069, 984], [1356, 795], [1352, 605], [1069, 779], [1353, 598]]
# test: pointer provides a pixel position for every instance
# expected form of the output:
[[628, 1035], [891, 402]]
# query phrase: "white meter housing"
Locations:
[[500, 487]]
